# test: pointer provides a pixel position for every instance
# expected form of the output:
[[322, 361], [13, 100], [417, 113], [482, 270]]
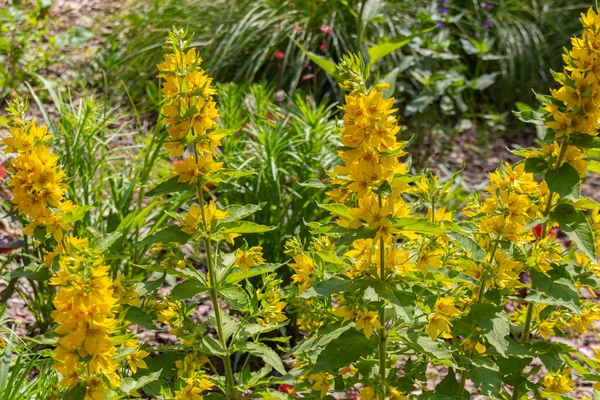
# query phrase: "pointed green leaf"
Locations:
[[494, 323], [171, 234], [577, 227], [268, 355], [344, 350], [170, 186], [565, 181]]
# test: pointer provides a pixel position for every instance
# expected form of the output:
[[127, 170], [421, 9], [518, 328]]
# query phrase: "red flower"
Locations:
[[279, 54], [323, 47], [537, 230], [289, 389]]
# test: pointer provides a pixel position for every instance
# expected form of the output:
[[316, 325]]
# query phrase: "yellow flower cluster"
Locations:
[[190, 113], [195, 381], [251, 257], [370, 160], [85, 316], [576, 104], [37, 180], [512, 202], [366, 320], [439, 321]]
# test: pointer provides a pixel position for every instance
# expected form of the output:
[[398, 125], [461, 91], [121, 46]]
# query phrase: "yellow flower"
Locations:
[[367, 321], [320, 382], [136, 360], [367, 393], [252, 257], [559, 383]]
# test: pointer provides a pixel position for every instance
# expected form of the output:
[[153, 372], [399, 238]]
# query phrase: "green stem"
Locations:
[[463, 376], [382, 332], [528, 318], [531, 307], [230, 391], [359, 31]]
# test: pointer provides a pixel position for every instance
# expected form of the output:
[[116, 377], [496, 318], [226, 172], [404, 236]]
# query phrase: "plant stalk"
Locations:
[[382, 332], [214, 298]]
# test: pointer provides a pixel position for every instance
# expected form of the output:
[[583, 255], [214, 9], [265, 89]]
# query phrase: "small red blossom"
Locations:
[[289, 389], [323, 47], [537, 230], [280, 55]]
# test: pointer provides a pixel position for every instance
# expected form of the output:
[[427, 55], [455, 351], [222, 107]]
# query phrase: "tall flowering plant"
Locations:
[[398, 283], [88, 299], [189, 115]]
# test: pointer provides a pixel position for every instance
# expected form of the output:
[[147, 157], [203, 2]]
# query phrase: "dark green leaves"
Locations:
[[486, 376], [494, 323], [344, 350], [264, 352], [576, 226], [556, 289], [171, 234], [170, 186], [468, 244], [565, 181], [418, 225]]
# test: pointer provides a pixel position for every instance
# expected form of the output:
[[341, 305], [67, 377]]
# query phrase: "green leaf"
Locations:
[[585, 141], [236, 212], [170, 186], [327, 65], [536, 165], [331, 286], [313, 183], [418, 225], [487, 379], [381, 50], [330, 257], [423, 343], [530, 117], [187, 290], [557, 289], [243, 227], [77, 393], [484, 81], [143, 288], [494, 323], [235, 277], [128, 385], [338, 209], [319, 339], [468, 244], [264, 352], [33, 271], [576, 226], [171, 234], [236, 297], [344, 350], [593, 166], [137, 316], [105, 241], [565, 181], [77, 214]]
